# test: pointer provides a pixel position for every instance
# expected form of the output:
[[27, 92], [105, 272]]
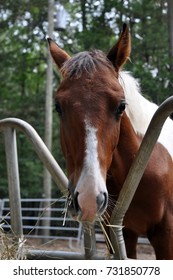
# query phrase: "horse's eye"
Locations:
[[58, 108], [121, 108]]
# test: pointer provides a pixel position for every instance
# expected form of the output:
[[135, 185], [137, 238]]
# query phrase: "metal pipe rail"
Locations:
[[135, 174], [60, 255], [9, 126]]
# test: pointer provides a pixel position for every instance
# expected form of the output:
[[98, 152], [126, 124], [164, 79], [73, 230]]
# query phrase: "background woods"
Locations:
[[90, 24]]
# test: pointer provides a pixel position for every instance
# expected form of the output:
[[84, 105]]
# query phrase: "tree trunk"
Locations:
[[170, 32], [83, 10], [47, 183]]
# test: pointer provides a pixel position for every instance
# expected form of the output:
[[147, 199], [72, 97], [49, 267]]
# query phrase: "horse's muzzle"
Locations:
[[78, 212]]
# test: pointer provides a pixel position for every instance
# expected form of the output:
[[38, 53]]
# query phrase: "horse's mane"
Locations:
[[140, 111], [85, 62]]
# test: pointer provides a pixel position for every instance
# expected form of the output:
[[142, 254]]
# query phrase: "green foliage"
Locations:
[[101, 22], [22, 84], [150, 49], [91, 25]]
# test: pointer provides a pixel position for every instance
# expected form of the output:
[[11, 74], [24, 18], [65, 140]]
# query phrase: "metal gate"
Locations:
[[9, 126]]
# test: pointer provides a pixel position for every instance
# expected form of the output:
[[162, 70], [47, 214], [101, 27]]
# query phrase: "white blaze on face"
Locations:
[[91, 182]]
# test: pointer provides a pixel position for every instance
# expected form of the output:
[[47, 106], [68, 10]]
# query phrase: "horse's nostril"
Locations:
[[102, 200], [75, 201]]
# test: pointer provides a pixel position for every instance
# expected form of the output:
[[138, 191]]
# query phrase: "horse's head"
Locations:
[[90, 103]]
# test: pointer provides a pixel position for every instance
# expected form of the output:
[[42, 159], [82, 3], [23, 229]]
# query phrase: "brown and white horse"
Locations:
[[102, 120]]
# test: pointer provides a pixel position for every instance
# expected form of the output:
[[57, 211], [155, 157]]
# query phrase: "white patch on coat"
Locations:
[[140, 111]]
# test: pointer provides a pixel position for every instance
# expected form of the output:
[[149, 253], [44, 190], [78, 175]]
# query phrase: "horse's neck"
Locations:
[[139, 109], [125, 152]]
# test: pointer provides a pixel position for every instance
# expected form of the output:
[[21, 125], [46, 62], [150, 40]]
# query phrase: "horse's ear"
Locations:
[[57, 53], [120, 52]]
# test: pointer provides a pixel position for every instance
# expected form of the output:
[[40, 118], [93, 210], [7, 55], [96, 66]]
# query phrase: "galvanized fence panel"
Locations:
[[33, 214]]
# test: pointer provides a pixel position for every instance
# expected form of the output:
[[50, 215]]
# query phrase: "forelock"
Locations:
[[85, 63]]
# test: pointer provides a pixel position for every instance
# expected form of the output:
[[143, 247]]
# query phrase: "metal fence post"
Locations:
[[13, 181], [89, 240]]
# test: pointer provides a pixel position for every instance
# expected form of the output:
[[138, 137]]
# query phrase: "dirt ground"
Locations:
[[144, 252]]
